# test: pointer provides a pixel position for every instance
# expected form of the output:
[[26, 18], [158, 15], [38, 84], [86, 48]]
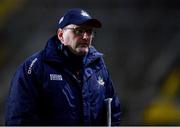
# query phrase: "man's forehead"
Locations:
[[83, 25]]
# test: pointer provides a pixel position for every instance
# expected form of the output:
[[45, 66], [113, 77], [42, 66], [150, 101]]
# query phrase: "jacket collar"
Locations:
[[53, 52], [92, 56]]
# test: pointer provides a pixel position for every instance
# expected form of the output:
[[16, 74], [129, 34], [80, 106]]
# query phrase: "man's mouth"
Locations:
[[83, 45]]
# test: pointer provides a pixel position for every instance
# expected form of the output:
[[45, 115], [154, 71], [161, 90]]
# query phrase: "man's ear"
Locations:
[[60, 35]]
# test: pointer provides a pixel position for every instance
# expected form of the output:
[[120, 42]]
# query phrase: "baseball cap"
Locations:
[[78, 16]]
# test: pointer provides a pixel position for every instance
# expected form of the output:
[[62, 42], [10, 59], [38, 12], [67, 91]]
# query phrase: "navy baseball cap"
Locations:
[[78, 16]]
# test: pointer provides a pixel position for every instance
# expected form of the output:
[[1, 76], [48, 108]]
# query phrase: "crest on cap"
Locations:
[[83, 13]]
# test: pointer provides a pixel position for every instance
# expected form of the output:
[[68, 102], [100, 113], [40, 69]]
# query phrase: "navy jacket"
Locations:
[[45, 90]]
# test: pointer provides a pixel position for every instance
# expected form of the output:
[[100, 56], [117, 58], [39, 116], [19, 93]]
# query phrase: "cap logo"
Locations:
[[83, 13], [61, 20]]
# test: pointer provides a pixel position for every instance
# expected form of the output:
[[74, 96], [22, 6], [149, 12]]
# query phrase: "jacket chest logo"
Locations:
[[100, 81], [56, 77]]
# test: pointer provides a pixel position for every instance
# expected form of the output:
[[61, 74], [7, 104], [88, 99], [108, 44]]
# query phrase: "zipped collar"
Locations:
[[53, 52]]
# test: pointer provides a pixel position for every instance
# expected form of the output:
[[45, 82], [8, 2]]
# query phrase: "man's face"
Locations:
[[76, 38]]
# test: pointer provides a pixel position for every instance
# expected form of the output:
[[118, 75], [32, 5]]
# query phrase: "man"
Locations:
[[67, 83]]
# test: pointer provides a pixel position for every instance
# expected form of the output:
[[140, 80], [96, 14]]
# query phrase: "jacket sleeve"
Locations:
[[115, 104], [21, 106]]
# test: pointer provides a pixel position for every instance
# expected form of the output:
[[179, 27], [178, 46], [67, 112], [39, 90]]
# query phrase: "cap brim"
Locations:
[[93, 22]]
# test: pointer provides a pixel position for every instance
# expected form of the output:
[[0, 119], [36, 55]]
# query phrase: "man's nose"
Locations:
[[85, 35]]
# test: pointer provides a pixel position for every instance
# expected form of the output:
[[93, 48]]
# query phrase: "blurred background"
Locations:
[[140, 40]]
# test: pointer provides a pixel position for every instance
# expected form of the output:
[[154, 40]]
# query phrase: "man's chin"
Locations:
[[82, 52]]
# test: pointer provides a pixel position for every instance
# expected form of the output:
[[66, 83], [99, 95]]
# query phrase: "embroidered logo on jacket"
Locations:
[[55, 77], [31, 65], [100, 81]]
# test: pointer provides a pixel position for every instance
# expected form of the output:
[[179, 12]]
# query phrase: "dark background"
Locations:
[[139, 39]]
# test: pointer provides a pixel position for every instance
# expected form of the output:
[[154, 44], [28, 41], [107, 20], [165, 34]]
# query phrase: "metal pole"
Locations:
[[108, 104]]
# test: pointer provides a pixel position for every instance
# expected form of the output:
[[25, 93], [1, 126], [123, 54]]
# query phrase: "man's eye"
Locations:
[[79, 31]]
